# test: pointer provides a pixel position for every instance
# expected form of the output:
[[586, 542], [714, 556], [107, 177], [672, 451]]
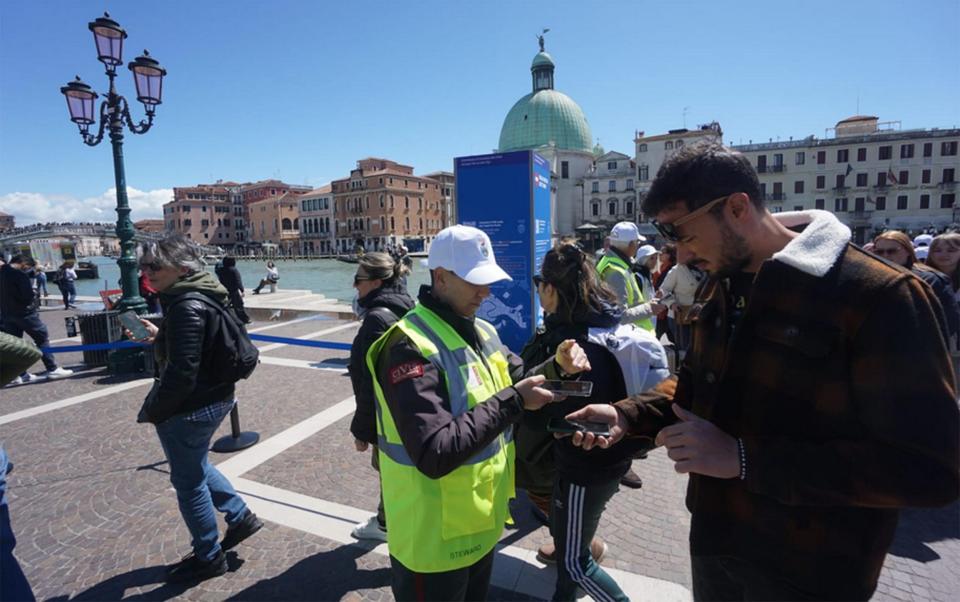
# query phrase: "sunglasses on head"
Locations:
[[669, 231], [538, 280]]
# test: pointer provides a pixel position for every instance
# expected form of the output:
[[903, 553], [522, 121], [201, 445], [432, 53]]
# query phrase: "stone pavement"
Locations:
[[96, 519]]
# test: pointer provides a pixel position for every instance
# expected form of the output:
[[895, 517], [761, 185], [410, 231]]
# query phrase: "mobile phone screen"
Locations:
[[559, 425], [132, 322], [570, 388]]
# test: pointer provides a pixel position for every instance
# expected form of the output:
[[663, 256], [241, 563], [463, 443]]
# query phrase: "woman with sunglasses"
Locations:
[[897, 247], [578, 306], [381, 300]]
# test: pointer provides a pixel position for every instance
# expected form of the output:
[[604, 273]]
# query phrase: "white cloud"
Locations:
[[34, 207]]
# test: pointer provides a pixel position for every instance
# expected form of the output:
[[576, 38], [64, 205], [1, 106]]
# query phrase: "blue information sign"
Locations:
[[507, 195]]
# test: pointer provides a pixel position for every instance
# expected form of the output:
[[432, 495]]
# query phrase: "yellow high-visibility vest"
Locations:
[[444, 524], [634, 294]]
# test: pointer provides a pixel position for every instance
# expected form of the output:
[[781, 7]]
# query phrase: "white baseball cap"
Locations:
[[922, 240], [466, 252], [922, 252], [626, 232], [646, 251]]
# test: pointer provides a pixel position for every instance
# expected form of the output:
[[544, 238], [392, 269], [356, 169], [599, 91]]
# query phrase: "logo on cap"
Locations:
[[483, 248]]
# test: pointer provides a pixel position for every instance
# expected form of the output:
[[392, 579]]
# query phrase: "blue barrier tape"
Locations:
[[303, 343], [255, 337], [93, 347]]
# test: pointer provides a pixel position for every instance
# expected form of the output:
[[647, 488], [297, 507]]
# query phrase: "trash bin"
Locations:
[[98, 327]]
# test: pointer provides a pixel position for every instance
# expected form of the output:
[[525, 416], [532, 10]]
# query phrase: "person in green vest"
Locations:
[[448, 394], [616, 271]]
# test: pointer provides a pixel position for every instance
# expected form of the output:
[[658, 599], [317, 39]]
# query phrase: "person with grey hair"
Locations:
[[382, 299], [189, 400], [615, 269]]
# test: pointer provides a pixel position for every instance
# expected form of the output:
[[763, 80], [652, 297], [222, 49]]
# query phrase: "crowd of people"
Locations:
[[764, 352]]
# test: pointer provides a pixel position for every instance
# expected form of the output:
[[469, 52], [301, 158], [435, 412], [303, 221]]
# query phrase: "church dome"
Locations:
[[545, 117]]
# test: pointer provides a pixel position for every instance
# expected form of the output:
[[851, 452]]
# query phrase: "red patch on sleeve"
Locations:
[[405, 371]]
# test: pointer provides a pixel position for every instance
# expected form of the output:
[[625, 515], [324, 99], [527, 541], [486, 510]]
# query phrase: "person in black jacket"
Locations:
[[382, 299], [188, 402], [577, 305], [18, 314], [230, 278]]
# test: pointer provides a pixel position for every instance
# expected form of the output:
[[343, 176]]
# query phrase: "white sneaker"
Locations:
[[16, 381], [60, 372], [29, 378], [370, 530]]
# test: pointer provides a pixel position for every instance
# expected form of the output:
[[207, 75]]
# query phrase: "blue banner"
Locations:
[[507, 195]]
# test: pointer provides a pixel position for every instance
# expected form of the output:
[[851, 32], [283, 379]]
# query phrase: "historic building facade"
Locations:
[[872, 175]]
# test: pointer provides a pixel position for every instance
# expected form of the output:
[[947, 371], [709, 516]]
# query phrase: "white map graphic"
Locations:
[[495, 311]]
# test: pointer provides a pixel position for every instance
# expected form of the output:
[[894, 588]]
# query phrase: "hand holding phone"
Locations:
[[569, 388], [135, 328], [568, 427]]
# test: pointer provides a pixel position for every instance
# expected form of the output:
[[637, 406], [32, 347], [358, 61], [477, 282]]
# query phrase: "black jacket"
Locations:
[[943, 290], [16, 294], [437, 441], [384, 306], [573, 463], [184, 348], [230, 278]]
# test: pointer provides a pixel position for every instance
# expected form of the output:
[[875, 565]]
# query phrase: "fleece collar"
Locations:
[[818, 246]]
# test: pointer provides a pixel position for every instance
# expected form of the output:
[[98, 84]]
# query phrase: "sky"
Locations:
[[300, 90]]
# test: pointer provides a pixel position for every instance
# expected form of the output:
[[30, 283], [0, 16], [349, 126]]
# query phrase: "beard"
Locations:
[[734, 254]]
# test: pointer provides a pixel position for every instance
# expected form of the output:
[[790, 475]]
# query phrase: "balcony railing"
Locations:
[[777, 196], [778, 168], [761, 169]]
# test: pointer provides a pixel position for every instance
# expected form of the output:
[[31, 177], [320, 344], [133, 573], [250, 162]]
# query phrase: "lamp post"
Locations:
[[114, 115]]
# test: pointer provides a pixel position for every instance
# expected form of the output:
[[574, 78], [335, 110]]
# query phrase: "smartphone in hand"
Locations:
[[568, 388], [568, 427], [131, 321]]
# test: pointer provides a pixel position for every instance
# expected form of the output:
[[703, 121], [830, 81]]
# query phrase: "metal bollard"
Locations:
[[236, 440]]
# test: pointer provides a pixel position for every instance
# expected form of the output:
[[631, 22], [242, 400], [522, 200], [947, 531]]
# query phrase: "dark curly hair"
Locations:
[[573, 273], [699, 174]]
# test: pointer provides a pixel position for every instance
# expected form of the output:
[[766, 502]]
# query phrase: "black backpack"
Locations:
[[235, 357]]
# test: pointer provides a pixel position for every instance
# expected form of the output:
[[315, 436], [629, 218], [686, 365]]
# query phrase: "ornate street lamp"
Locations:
[[114, 115]]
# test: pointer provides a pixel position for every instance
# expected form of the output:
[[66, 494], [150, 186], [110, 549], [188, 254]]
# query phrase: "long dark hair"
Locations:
[[572, 272]]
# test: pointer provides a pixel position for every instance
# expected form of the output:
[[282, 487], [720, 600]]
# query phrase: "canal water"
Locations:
[[328, 277]]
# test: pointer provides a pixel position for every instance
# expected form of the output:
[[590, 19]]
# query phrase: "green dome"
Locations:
[[543, 117], [542, 59]]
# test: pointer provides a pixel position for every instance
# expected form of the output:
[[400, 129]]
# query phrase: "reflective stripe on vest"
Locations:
[[452, 521], [634, 294]]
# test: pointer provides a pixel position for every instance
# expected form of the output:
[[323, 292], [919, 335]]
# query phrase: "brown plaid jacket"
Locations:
[[841, 388]]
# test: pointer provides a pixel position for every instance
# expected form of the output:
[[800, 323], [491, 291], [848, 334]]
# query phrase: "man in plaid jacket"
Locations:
[[816, 401]]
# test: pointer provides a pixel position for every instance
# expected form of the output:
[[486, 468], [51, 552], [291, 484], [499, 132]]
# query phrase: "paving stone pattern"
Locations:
[[96, 519]]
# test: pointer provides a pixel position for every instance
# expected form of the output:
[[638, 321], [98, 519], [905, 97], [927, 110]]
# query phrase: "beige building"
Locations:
[[201, 213], [316, 221], [274, 223], [872, 175], [652, 151], [448, 196], [609, 191]]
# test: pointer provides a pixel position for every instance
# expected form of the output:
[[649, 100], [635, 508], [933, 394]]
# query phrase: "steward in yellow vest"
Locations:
[[448, 394], [615, 269]]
